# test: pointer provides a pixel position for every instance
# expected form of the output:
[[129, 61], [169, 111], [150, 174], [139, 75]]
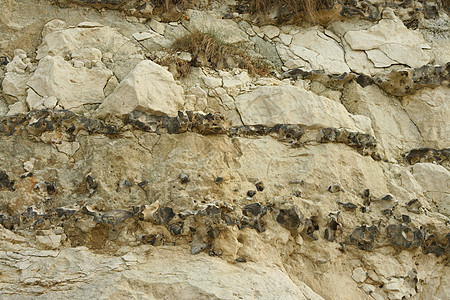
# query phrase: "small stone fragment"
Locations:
[[359, 275], [218, 179], [406, 219], [388, 197], [153, 239], [124, 184], [414, 206], [348, 205], [259, 186], [291, 218], [254, 209], [251, 193], [5, 182], [297, 181], [184, 178], [29, 165], [142, 183], [91, 184], [334, 188]]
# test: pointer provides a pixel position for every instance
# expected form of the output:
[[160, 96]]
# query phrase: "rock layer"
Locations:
[[326, 179]]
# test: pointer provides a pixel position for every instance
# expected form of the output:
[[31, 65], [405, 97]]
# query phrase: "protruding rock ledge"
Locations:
[[397, 82], [70, 123], [200, 227], [428, 155]]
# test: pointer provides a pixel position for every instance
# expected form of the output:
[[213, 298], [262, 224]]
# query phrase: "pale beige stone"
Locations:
[[395, 135], [321, 51], [270, 31], [395, 43], [291, 105], [431, 102], [53, 25], [65, 42], [73, 87], [148, 87], [436, 181], [208, 21], [15, 86]]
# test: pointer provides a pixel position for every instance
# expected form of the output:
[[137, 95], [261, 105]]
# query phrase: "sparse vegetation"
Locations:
[[207, 50], [312, 10]]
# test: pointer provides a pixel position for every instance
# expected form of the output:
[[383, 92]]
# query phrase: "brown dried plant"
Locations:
[[208, 50]]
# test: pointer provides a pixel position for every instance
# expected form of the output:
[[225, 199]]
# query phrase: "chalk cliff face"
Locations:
[[329, 178]]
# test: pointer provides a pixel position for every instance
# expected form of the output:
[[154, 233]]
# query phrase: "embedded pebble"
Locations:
[[334, 188], [359, 275], [184, 178]]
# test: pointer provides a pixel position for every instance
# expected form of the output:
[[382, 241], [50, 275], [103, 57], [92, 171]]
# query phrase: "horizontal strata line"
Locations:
[[430, 155], [214, 218], [39, 121]]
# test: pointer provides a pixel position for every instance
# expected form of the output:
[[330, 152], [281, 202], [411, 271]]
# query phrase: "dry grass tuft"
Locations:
[[209, 51], [312, 10]]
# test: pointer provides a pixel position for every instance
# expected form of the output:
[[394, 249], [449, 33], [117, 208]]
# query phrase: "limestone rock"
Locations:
[[225, 30], [371, 102], [435, 179], [149, 87], [270, 31], [73, 87], [319, 50], [17, 108], [291, 105], [54, 25], [86, 273], [359, 275], [431, 102], [390, 42], [124, 54], [15, 86]]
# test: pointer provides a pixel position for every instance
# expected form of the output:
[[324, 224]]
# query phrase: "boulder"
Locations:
[[149, 87], [14, 86]]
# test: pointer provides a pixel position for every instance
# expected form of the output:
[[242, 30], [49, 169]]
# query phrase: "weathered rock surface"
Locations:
[[431, 102], [119, 53], [72, 87], [389, 42], [435, 180], [148, 87], [371, 102], [326, 179], [287, 104]]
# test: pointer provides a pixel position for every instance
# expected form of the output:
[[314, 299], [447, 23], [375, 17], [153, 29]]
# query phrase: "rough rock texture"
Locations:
[[326, 179], [71, 86], [148, 87], [291, 105], [390, 42]]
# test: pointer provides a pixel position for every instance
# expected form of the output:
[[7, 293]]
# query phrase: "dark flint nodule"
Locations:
[[259, 186], [184, 178], [251, 193], [348, 205], [142, 183], [5, 182]]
